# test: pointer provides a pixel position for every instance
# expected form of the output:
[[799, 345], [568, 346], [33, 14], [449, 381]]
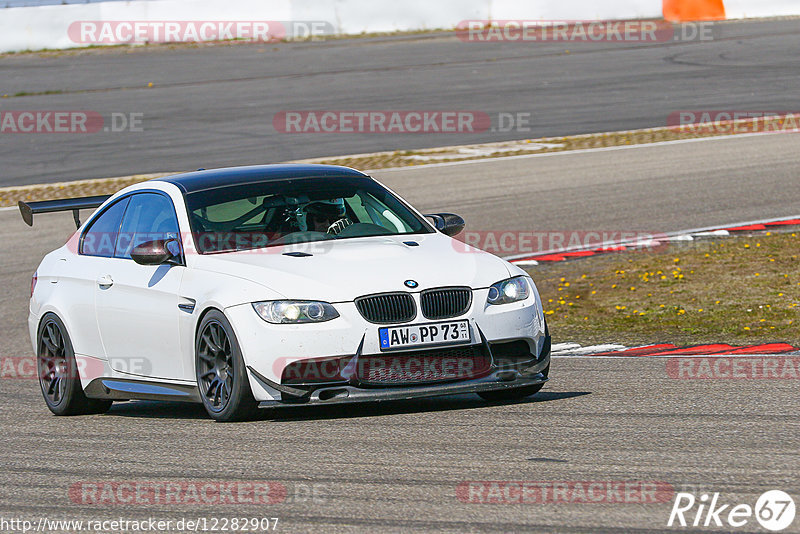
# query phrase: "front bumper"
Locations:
[[268, 349], [502, 375], [498, 380]]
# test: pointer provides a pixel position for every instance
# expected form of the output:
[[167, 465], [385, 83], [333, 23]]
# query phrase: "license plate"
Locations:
[[420, 335]]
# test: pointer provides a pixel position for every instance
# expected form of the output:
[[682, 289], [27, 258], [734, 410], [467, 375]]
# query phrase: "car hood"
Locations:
[[340, 271]]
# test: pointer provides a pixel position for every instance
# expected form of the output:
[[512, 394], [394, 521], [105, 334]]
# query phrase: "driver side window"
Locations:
[[149, 216]]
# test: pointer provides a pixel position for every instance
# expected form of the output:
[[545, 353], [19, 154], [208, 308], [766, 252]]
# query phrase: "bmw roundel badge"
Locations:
[[411, 283]]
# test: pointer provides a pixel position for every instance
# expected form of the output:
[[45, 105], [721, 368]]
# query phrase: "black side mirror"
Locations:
[[447, 223], [155, 252]]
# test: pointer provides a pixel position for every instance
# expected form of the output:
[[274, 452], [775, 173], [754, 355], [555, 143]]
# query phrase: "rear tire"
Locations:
[[221, 375], [58, 372]]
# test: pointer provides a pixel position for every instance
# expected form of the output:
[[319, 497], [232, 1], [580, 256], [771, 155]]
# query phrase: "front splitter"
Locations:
[[497, 381]]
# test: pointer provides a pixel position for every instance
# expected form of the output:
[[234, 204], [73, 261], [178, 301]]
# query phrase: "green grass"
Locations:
[[737, 290]]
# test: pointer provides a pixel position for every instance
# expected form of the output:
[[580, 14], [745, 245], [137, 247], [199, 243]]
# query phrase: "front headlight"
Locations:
[[295, 311], [511, 290]]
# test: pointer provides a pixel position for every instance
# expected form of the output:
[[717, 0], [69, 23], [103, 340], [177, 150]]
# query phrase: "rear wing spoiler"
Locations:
[[29, 209]]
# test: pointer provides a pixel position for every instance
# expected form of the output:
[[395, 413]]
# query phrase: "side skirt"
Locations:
[[124, 389]]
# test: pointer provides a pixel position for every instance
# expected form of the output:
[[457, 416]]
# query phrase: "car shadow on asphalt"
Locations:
[[432, 404], [158, 410], [183, 410]]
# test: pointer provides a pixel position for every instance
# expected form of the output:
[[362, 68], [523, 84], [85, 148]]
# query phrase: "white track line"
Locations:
[[566, 152], [574, 348]]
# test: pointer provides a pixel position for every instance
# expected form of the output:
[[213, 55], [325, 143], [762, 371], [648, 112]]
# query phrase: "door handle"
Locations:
[[105, 281]]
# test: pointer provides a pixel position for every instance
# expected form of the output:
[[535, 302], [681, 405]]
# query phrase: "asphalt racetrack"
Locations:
[[214, 106], [398, 467]]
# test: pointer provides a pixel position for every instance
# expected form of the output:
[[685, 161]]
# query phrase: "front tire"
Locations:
[[58, 372], [221, 375]]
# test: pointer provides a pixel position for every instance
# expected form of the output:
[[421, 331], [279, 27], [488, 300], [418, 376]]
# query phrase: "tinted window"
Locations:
[[280, 212], [100, 237], [149, 216]]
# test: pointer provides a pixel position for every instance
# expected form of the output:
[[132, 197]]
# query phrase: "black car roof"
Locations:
[[210, 179]]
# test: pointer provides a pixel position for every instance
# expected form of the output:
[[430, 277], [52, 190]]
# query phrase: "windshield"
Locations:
[[282, 212]]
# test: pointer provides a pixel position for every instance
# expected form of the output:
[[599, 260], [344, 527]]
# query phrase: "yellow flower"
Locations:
[[746, 245], [747, 328]]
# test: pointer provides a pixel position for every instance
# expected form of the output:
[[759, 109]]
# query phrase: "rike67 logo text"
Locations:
[[774, 510]]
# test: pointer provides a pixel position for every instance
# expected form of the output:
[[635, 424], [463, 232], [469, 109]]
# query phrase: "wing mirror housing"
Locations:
[[156, 252], [447, 223]]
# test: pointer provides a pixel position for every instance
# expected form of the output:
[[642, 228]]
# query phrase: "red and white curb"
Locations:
[[623, 246], [669, 350]]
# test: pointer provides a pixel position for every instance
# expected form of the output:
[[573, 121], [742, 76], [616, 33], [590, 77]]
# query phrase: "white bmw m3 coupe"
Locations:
[[276, 285]]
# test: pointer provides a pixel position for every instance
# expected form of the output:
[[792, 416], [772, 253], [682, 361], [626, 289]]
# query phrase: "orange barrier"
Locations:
[[686, 10]]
